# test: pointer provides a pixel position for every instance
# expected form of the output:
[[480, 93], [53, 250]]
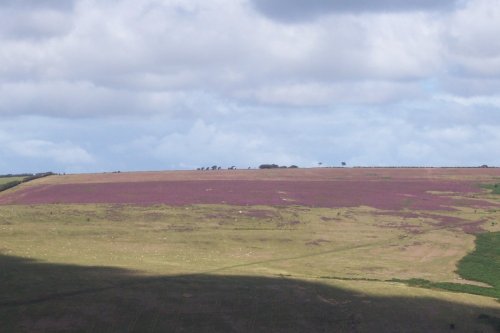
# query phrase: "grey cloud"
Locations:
[[35, 19], [299, 10], [34, 24], [64, 5], [81, 99]]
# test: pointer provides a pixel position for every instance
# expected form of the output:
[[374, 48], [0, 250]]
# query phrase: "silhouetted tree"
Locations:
[[268, 166]]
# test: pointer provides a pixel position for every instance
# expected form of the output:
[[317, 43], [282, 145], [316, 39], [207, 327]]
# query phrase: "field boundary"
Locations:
[[481, 265]]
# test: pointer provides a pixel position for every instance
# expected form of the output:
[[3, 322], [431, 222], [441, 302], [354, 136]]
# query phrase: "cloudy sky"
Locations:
[[88, 85]]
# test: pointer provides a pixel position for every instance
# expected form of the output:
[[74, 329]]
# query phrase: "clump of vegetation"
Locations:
[[37, 175], [14, 180], [8, 179], [495, 188], [6, 186], [481, 265], [276, 166]]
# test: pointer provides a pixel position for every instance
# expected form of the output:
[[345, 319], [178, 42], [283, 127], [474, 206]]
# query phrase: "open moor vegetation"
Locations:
[[349, 250]]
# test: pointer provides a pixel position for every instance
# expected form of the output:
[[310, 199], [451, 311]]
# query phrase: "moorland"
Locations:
[[285, 250]]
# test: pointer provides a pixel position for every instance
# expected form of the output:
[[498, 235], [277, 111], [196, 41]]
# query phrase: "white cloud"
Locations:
[[148, 83], [470, 36], [70, 99], [323, 94], [65, 153], [203, 144], [124, 50], [489, 100], [452, 134]]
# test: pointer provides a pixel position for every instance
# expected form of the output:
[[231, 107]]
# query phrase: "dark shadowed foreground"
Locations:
[[44, 297]]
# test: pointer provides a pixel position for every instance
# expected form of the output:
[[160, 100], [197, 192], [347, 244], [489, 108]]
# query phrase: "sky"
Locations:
[[92, 86]]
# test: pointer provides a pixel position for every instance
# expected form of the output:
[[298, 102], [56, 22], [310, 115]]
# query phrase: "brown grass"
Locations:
[[319, 174]]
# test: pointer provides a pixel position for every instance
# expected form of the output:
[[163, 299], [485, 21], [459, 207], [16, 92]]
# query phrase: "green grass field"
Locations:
[[10, 182], [4, 180], [481, 265], [7, 180], [495, 188]]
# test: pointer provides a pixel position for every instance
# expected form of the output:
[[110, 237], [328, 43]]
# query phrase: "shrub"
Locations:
[[8, 185], [268, 166]]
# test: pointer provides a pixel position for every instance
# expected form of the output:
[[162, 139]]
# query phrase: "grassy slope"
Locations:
[[67, 298], [292, 241], [482, 265], [7, 183], [219, 268], [86, 256], [473, 174], [14, 182], [4, 180]]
